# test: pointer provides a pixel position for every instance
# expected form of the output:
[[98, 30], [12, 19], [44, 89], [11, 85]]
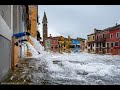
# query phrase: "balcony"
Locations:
[[100, 40]]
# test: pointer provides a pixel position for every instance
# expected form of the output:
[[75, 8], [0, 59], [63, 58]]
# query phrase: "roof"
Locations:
[[91, 34], [110, 28], [44, 19]]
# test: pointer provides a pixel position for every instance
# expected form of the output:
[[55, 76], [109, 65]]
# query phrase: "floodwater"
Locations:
[[68, 69]]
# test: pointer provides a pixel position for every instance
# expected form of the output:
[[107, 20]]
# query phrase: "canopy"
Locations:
[[18, 35]]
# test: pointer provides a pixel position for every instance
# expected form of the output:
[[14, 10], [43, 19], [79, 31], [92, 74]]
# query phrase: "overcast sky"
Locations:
[[78, 20]]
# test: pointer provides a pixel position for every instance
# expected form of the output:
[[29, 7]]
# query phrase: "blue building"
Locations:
[[75, 45]]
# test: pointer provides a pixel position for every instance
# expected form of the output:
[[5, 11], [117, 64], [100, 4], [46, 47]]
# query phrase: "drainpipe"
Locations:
[[20, 30], [12, 44], [11, 18]]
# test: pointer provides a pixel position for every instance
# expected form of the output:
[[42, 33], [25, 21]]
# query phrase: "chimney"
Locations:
[[95, 30], [50, 35]]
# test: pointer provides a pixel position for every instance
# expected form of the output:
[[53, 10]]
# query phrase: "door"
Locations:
[[107, 47]]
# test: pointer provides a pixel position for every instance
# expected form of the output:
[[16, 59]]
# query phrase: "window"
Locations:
[[111, 44], [116, 43], [96, 44], [111, 35], [100, 44], [89, 45], [88, 38], [103, 35], [93, 37], [117, 35], [103, 44], [93, 44]]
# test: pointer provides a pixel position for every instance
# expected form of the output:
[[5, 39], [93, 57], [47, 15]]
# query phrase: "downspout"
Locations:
[[11, 18], [12, 45], [20, 30]]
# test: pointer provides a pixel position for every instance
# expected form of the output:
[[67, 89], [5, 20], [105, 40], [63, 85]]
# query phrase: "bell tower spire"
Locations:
[[45, 32]]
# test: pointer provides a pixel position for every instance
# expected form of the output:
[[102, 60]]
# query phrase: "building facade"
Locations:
[[101, 41], [48, 44], [54, 44], [113, 40], [33, 16], [107, 41], [6, 32], [75, 45], [91, 43]]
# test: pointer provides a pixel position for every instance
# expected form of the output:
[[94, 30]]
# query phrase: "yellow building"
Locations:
[[61, 42], [91, 37], [67, 46], [91, 43], [64, 44], [33, 16]]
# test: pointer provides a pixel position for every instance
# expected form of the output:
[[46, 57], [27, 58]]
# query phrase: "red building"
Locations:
[[108, 40], [100, 40], [114, 40]]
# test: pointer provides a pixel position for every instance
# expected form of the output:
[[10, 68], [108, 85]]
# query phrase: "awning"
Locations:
[[18, 35]]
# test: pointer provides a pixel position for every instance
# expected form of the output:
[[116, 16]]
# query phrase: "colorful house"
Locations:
[[105, 41], [67, 46], [82, 43], [48, 44], [91, 43], [113, 40], [33, 19], [75, 45], [62, 43], [54, 44], [100, 40]]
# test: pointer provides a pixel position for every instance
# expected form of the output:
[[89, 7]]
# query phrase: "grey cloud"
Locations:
[[79, 20]]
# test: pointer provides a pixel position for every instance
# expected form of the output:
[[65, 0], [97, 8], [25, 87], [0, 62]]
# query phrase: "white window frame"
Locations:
[[118, 34], [112, 35]]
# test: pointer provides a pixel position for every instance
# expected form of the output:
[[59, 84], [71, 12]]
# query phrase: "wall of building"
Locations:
[[114, 35], [33, 18], [91, 38], [47, 44], [5, 61], [6, 32], [5, 11]]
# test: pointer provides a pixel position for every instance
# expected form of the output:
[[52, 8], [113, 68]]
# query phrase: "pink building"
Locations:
[[54, 44]]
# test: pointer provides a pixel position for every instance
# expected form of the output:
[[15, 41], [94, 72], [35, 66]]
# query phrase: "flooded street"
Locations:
[[68, 69]]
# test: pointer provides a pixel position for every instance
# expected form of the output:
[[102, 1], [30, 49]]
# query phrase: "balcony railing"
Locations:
[[100, 40]]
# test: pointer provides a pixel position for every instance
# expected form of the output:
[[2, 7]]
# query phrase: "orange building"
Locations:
[[33, 16]]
